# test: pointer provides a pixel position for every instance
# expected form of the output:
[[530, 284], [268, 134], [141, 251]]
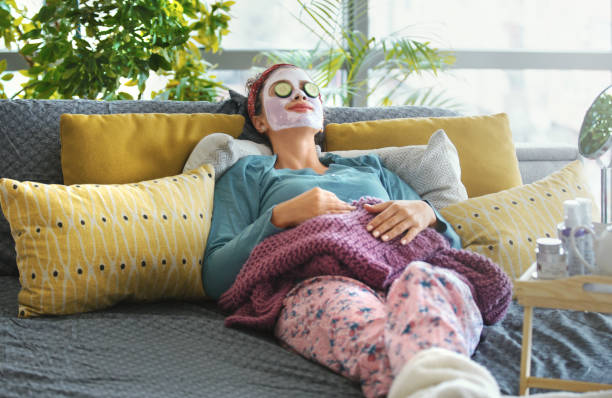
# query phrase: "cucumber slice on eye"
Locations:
[[311, 90], [283, 89]]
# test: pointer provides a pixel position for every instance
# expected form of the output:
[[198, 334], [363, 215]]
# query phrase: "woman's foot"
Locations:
[[440, 373]]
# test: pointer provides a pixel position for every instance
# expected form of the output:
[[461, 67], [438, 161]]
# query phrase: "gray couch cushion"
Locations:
[[536, 161]]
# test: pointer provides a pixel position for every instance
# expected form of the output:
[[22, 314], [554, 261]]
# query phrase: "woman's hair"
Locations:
[[254, 86]]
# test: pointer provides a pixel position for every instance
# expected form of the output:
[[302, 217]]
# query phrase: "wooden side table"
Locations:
[[579, 293]]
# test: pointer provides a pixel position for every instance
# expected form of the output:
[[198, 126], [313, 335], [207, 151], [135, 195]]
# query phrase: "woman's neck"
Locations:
[[296, 151]]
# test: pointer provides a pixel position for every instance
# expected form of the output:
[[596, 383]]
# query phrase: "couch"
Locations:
[[181, 348]]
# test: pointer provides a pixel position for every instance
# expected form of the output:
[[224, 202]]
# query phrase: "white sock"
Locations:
[[440, 373]]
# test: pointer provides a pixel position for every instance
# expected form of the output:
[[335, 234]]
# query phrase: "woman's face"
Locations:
[[289, 101]]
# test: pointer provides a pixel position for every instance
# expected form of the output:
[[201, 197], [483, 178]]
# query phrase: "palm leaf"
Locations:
[[343, 48], [329, 19]]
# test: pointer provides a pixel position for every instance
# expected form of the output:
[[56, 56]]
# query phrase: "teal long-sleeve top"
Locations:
[[246, 194]]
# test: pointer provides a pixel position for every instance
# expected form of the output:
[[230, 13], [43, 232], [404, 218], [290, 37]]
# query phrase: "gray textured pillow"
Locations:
[[432, 170], [222, 151]]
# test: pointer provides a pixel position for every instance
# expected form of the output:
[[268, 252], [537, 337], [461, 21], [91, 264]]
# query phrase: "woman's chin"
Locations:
[[298, 129]]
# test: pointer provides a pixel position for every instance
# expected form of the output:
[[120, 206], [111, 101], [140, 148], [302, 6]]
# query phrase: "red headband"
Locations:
[[254, 91]]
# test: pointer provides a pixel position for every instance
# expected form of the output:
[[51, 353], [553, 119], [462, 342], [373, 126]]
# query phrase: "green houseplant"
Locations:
[[345, 52], [84, 50]]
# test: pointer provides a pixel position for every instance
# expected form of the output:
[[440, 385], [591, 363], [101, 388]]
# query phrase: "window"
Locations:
[[267, 25], [538, 25]]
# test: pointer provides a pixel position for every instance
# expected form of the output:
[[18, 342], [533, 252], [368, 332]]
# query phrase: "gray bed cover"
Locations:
[[182, 349]]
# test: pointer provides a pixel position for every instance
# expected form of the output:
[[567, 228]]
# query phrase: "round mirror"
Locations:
[[595, 141], [596, 132]]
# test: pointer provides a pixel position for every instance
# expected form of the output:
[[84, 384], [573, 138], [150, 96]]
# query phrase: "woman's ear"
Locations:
[[260, 124]]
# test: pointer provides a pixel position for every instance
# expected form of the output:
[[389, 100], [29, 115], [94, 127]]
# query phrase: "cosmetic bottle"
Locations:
[[571, 219], [585, 245], [550, 259]]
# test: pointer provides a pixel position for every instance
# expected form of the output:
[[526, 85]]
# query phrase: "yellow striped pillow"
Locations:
[[504, 225], [87, 247]]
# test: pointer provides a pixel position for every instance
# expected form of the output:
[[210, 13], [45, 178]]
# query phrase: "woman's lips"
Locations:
[[301, 107]]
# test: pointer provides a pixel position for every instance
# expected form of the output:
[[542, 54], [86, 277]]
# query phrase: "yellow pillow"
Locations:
[[484, 143], [129, 147], [504, 226], [87, 247]]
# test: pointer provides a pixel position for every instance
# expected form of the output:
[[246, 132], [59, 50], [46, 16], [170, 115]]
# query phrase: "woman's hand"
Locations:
[[399, 216], [312, 203]]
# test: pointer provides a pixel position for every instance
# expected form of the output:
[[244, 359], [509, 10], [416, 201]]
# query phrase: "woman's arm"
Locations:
[[236, 227]]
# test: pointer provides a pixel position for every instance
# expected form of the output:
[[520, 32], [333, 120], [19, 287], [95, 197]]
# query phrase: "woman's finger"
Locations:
[[377, 224], [410, 235], [340, 205], [396, 227], [339, 211], [343, 209], [378, 207]]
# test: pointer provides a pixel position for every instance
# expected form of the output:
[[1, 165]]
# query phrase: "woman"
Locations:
[[364, 334]]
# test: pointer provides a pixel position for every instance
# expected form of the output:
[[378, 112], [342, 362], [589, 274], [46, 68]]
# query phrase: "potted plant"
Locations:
[[86, 50]]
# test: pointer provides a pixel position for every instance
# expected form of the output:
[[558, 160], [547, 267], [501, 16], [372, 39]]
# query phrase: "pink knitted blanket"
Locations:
[[341, 245]]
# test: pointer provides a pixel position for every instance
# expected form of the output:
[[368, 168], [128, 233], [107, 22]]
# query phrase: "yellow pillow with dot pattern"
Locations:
[[87, 247], [504, 225]]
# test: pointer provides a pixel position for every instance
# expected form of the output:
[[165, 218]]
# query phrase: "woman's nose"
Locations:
[[299, 94]]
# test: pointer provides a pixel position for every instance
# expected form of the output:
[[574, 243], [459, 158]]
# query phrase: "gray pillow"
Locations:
[[432, 170], [222, 151]]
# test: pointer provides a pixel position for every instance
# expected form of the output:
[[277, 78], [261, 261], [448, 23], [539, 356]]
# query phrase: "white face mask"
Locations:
[[278, 112]]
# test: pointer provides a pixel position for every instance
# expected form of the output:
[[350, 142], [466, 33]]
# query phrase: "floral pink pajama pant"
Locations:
[[367, 335]]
